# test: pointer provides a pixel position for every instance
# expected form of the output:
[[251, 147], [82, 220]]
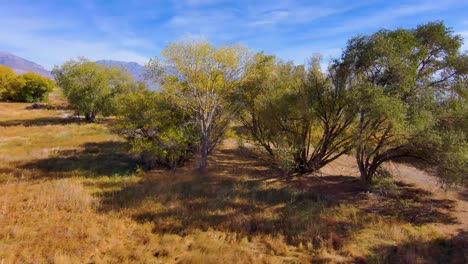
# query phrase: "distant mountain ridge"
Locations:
[[132, 68], [20, 65]]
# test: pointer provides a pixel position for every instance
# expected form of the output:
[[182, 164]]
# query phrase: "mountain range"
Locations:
[[21, 65]]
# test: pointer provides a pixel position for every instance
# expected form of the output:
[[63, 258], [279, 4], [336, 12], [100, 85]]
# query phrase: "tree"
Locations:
[[201, 80], [156, 129], [302, 118], [30, 87], [91, 88], [448, 149], [7, 75], [403, 76]]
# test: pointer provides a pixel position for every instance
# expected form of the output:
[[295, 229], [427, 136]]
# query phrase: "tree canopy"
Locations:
[[156, 129], [392, 94], [403, 77], [300, 116], [91, 88]]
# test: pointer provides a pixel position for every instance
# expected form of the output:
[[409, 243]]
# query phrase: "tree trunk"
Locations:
[[362, 170], [90, 117], [204, 154], [365, 170]]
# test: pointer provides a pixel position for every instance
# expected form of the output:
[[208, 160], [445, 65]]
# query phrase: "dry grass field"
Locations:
[[69, 193]]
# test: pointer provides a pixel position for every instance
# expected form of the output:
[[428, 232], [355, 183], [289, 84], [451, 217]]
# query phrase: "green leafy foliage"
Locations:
[[155, 128], [403, 77], [30, 87], [91, 88], [301, 117], [448, 144]]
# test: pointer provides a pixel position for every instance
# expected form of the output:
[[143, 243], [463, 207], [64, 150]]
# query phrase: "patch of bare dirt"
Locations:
[[421, 179]]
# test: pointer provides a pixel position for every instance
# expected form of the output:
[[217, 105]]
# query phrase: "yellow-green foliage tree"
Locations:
[[201, 80], [30, 87], [91, 88], [7, 75]]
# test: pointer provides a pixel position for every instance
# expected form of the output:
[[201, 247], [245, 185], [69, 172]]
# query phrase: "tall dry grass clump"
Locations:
[[56, 222]]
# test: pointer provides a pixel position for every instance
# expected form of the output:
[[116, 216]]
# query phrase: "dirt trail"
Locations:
[[425, 181], [408, 174]]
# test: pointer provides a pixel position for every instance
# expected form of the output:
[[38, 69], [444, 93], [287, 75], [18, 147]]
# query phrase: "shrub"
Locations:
[[155, 129], [30, 87], [7, 75], [384, 184]]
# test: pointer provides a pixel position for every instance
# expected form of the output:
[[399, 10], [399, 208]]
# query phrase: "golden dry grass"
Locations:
[[69, 193]]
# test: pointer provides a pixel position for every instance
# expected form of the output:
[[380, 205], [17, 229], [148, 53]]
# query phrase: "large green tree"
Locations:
[[201, 79], [301, 116], [403, 76], [91, 88]]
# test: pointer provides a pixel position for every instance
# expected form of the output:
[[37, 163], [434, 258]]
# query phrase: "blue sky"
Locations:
[[50, 31]]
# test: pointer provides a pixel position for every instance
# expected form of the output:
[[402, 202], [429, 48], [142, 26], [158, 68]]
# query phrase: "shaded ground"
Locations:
[[92, 160], [443, 250], [44, 121], [244, 196], [423, 180]]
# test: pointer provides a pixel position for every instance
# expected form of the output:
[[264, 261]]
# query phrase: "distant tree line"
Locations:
[[392, 94], [28, 87]]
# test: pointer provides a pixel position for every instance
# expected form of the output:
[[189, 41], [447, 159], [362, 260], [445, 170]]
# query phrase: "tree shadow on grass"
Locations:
[[93, 159], [415, 206], [182, 204], [451, 250], [239, 195], [43, 121]]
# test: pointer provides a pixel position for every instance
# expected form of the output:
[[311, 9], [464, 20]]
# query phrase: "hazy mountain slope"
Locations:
[[132, 68], [20, 65], [135, 70]]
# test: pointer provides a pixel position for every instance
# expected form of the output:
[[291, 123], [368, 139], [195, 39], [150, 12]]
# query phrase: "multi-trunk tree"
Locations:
[[301, 116], [403, 77]]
